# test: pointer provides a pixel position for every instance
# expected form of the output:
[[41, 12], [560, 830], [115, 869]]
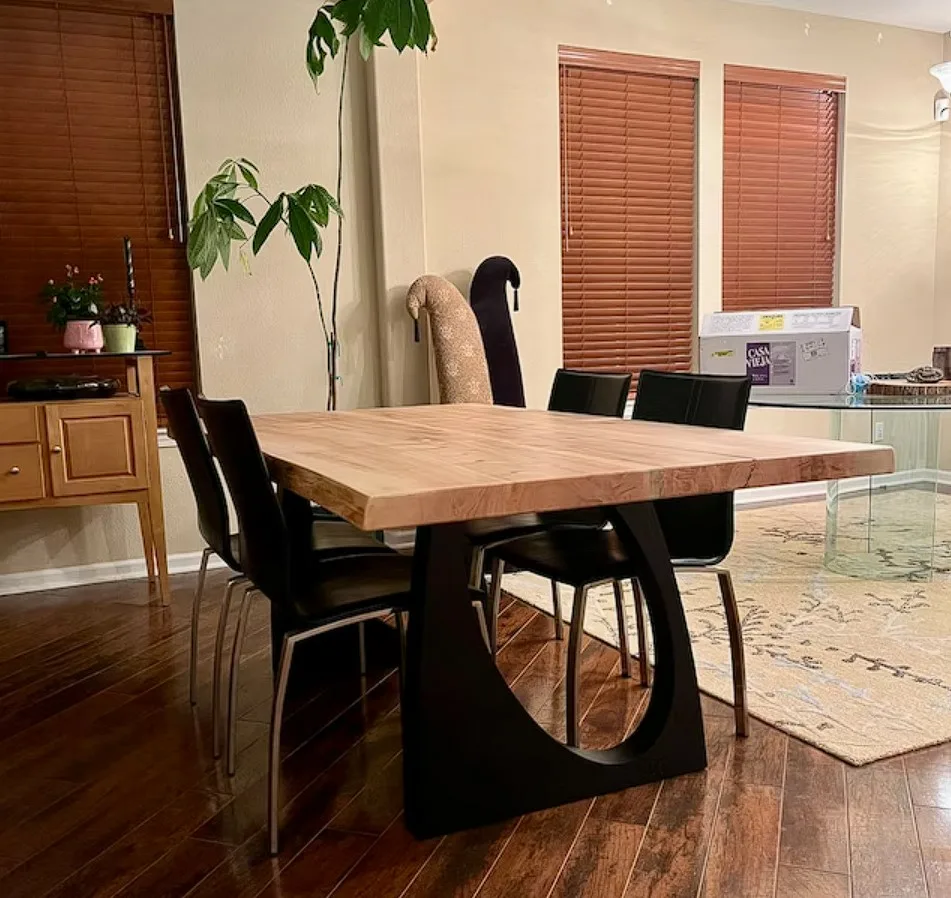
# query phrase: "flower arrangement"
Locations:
[[72, 300], [133, 316]]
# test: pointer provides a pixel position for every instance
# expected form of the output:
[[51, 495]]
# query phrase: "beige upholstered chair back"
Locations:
[[461, 368]]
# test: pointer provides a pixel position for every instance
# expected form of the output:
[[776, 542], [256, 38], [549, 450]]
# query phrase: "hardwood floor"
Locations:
[[108, 787]]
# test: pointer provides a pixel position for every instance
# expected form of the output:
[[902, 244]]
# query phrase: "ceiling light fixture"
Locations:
[[942, 99]]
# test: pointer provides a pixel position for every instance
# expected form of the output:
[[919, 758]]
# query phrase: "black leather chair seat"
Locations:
[[352, 585], [332, 538], [489, 531], [576, 557]]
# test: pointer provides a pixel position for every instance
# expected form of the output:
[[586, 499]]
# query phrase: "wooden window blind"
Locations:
[[780, 179], [90, 153], [628, 171]]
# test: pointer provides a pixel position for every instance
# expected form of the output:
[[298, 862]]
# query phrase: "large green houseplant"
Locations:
[[233, 208]]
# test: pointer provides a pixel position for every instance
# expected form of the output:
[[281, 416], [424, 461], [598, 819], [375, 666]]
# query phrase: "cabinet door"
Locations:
[[96, 447], [21, 472]]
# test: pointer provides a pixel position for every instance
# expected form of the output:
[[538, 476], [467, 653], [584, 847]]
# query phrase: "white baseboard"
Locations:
[[188, 562], [777, 495], [104, 572]]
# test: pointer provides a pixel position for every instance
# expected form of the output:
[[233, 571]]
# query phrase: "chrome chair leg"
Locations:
[[622, 631], [556, 606], [495, 597], [280, 697], [223, 614], [196, 610], [274, 750], [575, 640], [483, 628], [477, 566], [643, 652], [236, 650], [402, 620], [362, 640], [737, 654]]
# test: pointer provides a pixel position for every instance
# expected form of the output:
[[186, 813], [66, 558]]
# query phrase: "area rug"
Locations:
[[858, 668]]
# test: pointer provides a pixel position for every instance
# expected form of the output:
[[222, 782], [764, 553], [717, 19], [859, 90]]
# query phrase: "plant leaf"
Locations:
[[237, 210], [235, 231], [301, 226], [208, 264], [195, 227], [202, 245], [325, 30], [321, 40], [268, 224], [423, 26], [350, 13], [375, 19], [399, 21], [224, 247], [249, 175], [366, 45]]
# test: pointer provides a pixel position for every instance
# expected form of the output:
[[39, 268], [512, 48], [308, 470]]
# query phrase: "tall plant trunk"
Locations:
[[333, 349], [332, 352]]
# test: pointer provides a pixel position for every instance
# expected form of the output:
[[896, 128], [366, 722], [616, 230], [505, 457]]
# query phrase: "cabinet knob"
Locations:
[[57, 450], [14, 470]]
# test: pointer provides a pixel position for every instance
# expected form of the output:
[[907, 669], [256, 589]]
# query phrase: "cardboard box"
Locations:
[[805, 351]]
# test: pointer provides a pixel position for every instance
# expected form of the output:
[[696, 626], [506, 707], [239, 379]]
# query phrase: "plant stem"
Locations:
[[339, 255]]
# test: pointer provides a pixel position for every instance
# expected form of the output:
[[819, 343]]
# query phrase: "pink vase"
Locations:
[[82, 336]]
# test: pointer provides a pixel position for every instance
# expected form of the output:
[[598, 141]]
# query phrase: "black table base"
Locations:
[[472, 755]]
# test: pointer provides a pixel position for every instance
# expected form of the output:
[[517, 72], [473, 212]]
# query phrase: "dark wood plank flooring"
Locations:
[[108, 787]]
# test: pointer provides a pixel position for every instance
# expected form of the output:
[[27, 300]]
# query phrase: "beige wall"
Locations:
[[457, 158], [942, 293], [489, 99], [245, 91]]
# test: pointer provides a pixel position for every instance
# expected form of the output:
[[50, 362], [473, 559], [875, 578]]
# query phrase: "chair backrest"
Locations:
[[265, 547], [589, 393], [697, 528], [489, 301], [185, 428], [461, 366]]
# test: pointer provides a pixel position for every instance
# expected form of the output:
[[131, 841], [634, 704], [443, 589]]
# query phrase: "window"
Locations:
[[628, 174], [90, 153], [780, 178]]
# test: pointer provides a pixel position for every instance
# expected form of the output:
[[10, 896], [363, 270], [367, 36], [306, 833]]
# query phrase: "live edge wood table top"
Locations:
[[434, 464], [472, 755]]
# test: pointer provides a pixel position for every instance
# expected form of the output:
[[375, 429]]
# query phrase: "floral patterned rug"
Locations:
[[860, 668]]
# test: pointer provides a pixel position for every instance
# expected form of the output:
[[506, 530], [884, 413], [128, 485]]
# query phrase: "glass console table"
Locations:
[[881, 527]]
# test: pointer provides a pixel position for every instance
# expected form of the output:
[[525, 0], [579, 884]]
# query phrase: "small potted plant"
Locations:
[[120, 326], [74, 309]]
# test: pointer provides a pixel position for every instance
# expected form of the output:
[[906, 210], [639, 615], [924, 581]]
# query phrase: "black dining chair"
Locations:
[[698, 530], [185, 428], [578, 392], [335, 537], [315, 595]]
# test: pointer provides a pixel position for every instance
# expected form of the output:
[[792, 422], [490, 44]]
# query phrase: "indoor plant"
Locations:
[[120, 326], [225, 205], [74, 309]]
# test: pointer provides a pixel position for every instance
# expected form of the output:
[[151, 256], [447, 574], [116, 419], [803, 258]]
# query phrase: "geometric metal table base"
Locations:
[[472, 755]]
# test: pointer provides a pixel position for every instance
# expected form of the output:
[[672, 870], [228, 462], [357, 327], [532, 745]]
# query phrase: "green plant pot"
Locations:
[[119, 337]]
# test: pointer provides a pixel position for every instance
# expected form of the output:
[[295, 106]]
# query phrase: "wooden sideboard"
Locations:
[[90, 452]]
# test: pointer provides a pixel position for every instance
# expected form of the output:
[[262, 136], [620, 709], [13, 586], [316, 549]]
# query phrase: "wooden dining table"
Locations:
[[472, 754]]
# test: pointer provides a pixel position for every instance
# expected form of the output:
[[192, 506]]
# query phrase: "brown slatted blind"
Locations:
[[90, 152], [779, 189], [628, 208]]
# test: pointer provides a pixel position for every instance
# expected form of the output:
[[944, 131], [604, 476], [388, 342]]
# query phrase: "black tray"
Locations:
[[42, 389]]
